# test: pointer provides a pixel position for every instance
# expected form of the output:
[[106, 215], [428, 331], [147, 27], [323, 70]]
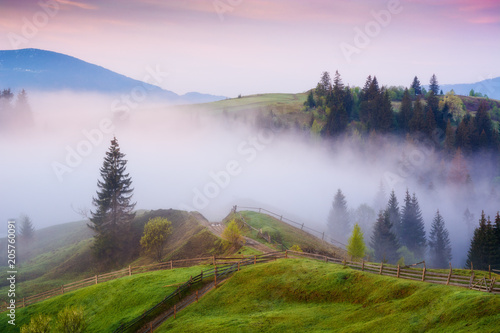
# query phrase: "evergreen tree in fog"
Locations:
[[412, 227], [439, 243], [339, 219]]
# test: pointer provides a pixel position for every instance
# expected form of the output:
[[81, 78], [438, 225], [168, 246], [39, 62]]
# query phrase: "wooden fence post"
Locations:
[[151, 326], [62, 289], [171, 264], [129, 270], [362, 264], [96, 279], [397, 275], [286, 254], [423, 273], [175, 311], [255, 260], [23, 303], [449, 276], [201, 278], [381, 268], [215, 279], [326, 260]]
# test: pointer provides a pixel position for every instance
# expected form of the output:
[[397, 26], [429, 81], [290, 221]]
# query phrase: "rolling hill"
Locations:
[[61, 254], [40, 70]]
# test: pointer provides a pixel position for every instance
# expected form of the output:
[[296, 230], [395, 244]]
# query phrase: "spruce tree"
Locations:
[[114, 209], [481, 251], [496, 262], [338, 218], [439, 243], [310, 103], [383, 240], [26, 229], [434, 86], [394, 214], [338, 117], [412, 227], [416, 86]]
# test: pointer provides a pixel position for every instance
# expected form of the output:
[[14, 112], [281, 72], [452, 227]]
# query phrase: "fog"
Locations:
[[188, 159]]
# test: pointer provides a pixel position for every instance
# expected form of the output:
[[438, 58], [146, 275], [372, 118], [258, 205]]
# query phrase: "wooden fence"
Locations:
[[172, 264], [215, 276], [316, 233], [472, 282]]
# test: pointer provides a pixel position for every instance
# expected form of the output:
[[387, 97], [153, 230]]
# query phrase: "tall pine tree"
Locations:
[[434, 86], [394, 214], [114, 209], [339, 219], [412, 227], [482, 251], [416, 86], [439, 243], [383, 240]]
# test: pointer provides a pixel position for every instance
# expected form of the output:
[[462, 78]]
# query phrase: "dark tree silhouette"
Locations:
[[439, 243], [114, 209]]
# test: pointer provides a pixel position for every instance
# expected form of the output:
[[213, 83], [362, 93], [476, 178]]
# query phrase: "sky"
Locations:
[[231, 47]]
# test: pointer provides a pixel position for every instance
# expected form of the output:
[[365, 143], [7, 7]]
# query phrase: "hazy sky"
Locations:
[[229, 47]]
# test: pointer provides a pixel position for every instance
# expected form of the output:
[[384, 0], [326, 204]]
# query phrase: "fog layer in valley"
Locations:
[[189, 160]]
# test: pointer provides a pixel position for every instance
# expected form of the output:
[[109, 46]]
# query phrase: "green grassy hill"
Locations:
[[290, 111], [62, 253], [108, 304], [285, 233], [298, 295]]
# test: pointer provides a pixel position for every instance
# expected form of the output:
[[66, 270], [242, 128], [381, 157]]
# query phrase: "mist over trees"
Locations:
[[338, 223], [15, 110]]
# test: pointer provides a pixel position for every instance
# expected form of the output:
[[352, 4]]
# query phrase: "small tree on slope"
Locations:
[[356, 243]]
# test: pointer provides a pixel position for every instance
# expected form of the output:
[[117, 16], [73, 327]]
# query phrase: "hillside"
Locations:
[[40, 70], [61, 254], [282, 233], [109, 303], [304, 296], [288, 110]]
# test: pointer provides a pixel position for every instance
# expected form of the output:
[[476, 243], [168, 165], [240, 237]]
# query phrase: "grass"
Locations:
[[109, 303], [299, 295], [61, 254], [287, 234]]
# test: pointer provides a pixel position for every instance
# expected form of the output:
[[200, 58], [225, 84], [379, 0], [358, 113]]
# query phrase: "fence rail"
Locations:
[[302, 226], [490, 285], [218, 274], [72, 286]]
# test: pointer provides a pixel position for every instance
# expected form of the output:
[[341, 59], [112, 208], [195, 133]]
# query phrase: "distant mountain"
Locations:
[[490, 87], [40, 70]]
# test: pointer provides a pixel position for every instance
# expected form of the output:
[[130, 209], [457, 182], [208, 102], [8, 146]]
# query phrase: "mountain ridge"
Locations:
[[43, 70]]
